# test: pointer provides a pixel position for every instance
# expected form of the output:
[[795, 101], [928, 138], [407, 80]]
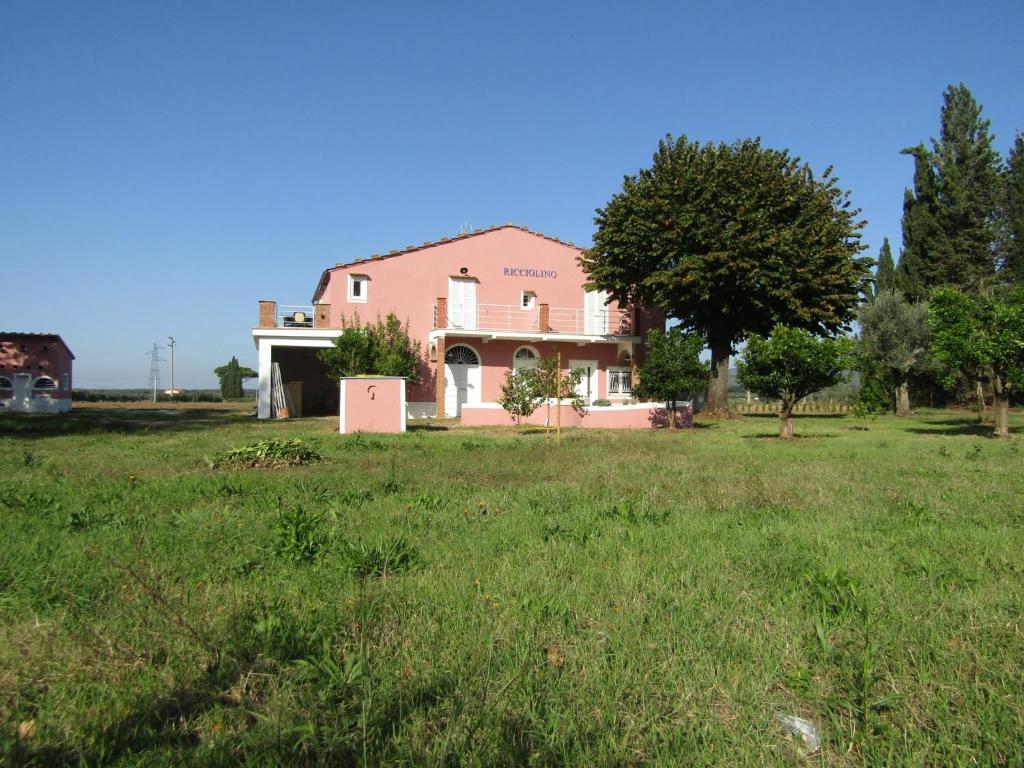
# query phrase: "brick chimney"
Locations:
[[268, 314], [322, 316]]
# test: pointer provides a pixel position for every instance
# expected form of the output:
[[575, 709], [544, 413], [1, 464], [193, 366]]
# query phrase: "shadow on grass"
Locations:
[[121, 421], [970, 427], [426, 428], [165, 725], [797, 436], [795, 415], [152, 725]]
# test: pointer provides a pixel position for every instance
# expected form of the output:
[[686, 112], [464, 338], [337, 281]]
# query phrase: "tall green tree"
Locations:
[[731, 239], [790, 364], [672, 369], [885, 274], [894, 339], [921, 231], [951, 217], [1013, 245], [981, 336], [232, 376]]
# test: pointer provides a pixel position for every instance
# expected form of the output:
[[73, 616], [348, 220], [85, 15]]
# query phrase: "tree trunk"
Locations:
[[1001, 406], [979, 391], [903, 398], [672, 414], [717, 403], [786, 421]]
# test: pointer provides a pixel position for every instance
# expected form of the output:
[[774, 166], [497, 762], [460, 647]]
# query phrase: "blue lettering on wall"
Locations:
[[528, 272]]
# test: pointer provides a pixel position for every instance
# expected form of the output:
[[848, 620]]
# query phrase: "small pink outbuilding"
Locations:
[[372, 404], [35, 373]]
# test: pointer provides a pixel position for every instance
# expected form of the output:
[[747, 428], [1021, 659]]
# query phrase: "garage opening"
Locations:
[[305, 377]]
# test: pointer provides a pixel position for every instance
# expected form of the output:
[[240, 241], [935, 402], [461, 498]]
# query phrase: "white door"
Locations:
[[461, 303], [461, 379], [595, 312], [587, 388], [22, 392]]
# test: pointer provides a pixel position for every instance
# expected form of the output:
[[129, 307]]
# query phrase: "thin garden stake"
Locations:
[[558, 401]]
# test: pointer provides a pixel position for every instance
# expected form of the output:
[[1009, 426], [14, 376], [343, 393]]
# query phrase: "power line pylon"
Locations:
[[154, 368]]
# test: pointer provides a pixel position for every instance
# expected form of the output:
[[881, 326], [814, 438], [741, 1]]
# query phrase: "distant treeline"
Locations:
[[136, 395]]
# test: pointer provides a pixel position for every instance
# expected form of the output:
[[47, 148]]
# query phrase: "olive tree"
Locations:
[[790, 364], [894, 339]]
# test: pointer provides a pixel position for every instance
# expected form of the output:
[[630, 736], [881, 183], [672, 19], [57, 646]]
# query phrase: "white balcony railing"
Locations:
[[294, 316], [603, 322], [514, 319]]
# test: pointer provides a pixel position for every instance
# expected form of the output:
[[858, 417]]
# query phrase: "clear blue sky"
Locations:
[[164, 165]]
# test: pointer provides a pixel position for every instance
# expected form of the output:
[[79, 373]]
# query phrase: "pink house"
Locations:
[[479, 303], [35, 373]]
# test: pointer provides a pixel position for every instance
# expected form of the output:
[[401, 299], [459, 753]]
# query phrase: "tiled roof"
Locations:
[[38, 336], [413, 248]]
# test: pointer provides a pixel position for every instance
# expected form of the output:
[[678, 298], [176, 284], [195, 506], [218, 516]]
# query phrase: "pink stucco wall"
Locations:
[[623, 417], [372, 404], [37, 355]]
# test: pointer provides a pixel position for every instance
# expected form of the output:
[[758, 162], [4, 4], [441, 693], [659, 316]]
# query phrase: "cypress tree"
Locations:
[[230, 376], [885, 274], [920, 228], [1013, 247], [950, 218]]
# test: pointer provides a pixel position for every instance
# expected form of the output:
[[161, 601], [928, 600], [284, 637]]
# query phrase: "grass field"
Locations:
[[460, 597]]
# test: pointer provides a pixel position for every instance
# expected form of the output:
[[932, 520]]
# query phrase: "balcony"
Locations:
[[541, 320], [294, 316]]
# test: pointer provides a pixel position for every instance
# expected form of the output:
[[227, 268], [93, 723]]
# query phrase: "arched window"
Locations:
[[6, 383], [44, 383], [460, 354], [525, 357]]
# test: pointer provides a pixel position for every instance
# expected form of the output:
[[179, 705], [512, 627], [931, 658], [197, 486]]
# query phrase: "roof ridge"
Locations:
[[29, 333], [453, 238]]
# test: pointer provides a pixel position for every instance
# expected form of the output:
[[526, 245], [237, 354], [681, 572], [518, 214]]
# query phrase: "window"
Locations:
[[528, 300], [357, 285], [44, 383], [525, 357], [620, 382], [6, 383], [460, 354], [66, 380]]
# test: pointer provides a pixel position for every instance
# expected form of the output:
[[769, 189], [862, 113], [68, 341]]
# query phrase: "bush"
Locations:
[[382, 348]]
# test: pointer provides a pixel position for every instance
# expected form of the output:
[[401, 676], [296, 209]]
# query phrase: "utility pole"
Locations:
[[154, 368], [171, 345]]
